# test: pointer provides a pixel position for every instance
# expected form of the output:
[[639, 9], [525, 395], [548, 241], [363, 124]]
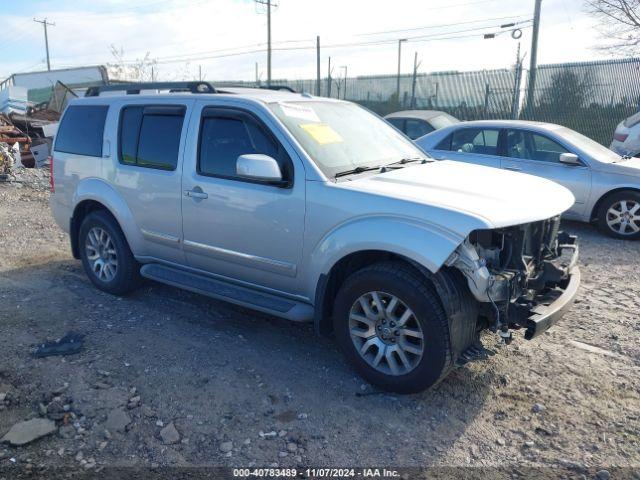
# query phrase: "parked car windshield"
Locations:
[[341, 137], [590, 147], [632, 121]]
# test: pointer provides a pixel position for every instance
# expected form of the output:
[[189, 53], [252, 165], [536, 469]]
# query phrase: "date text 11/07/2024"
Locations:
[[316, 472]]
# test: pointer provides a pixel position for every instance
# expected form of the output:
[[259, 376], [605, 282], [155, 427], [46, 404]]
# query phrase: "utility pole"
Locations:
[[487, 93], [200, 72], [515, 103], [257, 77], [533, 66], [46, 38], [269, 5], [329, 79], [415, 78], [318, 65], [344, 93], [399, 57]]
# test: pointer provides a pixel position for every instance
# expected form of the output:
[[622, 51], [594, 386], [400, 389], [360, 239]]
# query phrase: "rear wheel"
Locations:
[[106, 256], [619, 215], [390, 324]]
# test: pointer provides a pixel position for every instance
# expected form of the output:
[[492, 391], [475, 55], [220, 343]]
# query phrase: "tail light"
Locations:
[[620, 137], [52, 182]]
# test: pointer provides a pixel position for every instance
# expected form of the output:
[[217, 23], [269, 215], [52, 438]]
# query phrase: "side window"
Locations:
[[475, 140], [417, 128], [531, 146], [224, 136], [546, 150], [150, 136], [82, 130]]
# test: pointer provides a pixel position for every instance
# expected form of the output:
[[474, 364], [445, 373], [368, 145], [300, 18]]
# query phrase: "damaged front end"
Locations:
[[523, 276]]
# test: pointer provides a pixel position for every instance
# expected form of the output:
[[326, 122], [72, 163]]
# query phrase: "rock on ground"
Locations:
[[26, 432], [169, 434], [117, 421]]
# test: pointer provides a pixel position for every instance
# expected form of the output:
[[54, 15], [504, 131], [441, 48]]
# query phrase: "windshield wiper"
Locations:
[[408, 160], [357, 170]]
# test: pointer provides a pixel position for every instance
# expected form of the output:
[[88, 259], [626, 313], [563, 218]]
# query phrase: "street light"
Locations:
[[399, 57]]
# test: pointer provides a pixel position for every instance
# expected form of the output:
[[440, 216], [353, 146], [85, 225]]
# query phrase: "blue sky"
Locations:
[[185, 35]]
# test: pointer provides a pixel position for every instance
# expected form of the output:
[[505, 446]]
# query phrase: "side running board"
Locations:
[[221, 290]]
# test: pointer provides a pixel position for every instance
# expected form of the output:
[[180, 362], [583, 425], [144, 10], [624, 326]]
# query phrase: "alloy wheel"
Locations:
[[623, 217], [101, 254], [386, 333]]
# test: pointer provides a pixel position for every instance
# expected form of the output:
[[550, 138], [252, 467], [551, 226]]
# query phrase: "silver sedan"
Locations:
[[606, 186]]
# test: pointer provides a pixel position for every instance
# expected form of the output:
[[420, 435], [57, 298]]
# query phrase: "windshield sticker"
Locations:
[[321, 133], [299, 111]]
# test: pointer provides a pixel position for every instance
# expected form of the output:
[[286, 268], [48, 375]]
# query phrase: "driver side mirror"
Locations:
[[259, 167], [570, 159]]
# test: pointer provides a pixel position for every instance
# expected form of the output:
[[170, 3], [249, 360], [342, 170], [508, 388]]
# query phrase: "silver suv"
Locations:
[[311, 209]]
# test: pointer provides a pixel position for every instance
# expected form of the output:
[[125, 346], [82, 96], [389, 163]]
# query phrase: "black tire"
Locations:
[[419, 295], [127, 275], [612, 200]]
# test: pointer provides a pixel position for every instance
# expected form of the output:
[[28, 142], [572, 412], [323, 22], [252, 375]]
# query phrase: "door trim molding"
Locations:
[[254, 261], [160, 237]]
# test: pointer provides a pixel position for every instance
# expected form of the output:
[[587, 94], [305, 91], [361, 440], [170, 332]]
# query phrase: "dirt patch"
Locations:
[[239, 388]]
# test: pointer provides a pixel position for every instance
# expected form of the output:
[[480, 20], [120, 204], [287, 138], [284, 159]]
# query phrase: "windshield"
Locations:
[[590, 147], [341, 137], [632, 121]]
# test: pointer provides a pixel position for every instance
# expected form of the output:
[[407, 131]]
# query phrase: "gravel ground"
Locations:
[[170, 378]]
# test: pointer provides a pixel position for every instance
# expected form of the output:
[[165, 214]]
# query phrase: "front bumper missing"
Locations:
[[546, 309]]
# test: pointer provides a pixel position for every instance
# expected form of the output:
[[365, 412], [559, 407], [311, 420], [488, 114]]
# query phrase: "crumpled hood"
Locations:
[[623, 167], [497, 197]]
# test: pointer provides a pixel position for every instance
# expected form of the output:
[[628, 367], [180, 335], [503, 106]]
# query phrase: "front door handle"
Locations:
[[196, 193], [513, 169]]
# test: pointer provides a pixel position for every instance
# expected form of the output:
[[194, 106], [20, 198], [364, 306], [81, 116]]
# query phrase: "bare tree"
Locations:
[[619, 22], [139, 70]]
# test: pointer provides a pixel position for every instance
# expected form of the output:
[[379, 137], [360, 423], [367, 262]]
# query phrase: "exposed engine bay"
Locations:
[[512, 271]]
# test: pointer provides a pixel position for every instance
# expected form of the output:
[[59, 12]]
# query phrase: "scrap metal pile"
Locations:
[[27, 129]]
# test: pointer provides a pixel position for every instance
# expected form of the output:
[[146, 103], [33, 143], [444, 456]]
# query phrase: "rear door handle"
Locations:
[[199, 194], [513, 169]]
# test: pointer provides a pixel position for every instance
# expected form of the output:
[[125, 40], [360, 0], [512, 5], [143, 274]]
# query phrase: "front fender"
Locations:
[[425, 243], [101, 192]]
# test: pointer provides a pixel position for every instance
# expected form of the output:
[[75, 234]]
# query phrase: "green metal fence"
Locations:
[[590, 97]]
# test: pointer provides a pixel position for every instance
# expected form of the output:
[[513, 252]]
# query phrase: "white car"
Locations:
[[626, 139]]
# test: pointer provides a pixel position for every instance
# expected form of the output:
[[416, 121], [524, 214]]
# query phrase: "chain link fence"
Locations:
[[589, 97]]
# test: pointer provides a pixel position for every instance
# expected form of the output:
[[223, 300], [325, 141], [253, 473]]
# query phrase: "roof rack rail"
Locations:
[[278, 87], [135, 88]]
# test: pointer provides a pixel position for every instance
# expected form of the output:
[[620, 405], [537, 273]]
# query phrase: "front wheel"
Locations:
[[391, 325], [619, 215]]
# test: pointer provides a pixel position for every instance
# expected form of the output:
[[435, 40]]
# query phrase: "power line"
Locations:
[[442, 25], [418, 39]]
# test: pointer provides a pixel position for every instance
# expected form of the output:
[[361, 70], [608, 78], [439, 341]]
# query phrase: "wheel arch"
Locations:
[[603, 197], [93, 194], [80, 212], [448, 283]]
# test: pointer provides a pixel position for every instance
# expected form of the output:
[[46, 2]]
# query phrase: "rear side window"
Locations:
[[445, 144], [81, 130], [224, 137], [475, 140], [150, 136]]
